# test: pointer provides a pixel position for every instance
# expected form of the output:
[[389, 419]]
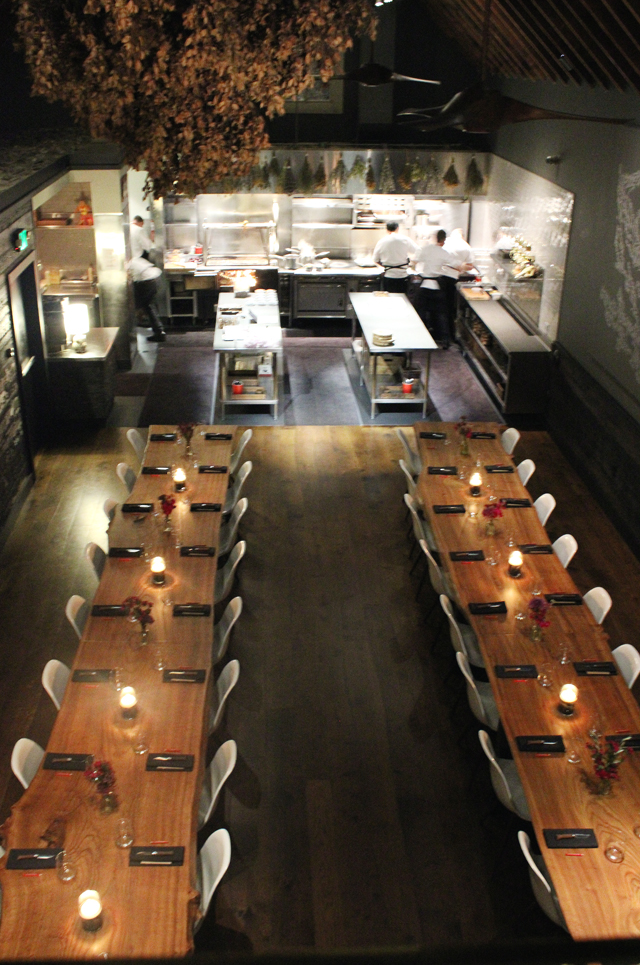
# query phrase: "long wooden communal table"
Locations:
[[147, 911], [600, 900]]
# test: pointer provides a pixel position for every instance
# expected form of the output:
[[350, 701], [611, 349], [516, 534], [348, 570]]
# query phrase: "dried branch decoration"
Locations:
[[184, 85]]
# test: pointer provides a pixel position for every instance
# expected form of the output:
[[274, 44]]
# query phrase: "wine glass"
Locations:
[[65, 866], [124, 833]]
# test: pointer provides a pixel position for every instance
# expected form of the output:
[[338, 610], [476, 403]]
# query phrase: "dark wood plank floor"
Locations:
[[360, 811]]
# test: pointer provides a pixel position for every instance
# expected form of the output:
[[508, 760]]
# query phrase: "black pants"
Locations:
[[145, 294], [431, 306], [448, 287], [394, 284]]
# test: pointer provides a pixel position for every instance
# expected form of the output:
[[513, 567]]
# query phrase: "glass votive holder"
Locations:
[[140, 743], [65, 866], [614, 853], [124, 833]]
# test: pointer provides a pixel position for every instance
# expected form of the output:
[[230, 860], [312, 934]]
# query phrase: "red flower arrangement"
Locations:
[[538, 608], [167, 504], [607, 755], [139, 610], [463, 427], [101, 774], [186, 430], [492, 510]]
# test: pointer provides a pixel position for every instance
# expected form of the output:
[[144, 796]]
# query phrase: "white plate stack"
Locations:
[[383, 338]]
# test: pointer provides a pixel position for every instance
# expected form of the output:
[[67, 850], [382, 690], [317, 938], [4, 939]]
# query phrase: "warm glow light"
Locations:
[[76, 318], [90, 908], [515, 559], [158, 568], [476, 479], [180, 480], [128, 699], [568, 693]]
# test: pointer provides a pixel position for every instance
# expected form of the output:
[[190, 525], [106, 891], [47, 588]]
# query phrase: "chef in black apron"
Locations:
[[392, 253]]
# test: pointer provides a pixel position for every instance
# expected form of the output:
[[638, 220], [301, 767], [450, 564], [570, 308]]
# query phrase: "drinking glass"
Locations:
[[614, 852], [117, 678], [124, 833], [140, 745], [65, 866], [159, 659], [573, 757], [545, 675]]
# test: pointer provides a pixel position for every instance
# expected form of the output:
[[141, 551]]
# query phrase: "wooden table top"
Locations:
[[598, 898], [146, 910]]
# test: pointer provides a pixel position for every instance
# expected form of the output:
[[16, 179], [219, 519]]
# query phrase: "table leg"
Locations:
[[374, 387]]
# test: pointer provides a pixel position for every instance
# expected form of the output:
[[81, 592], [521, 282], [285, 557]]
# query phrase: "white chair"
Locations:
[[414, 461], [235, 490], [126, 475], [509, 440], [217, 773], [97, 557], [224, 685], [437, 576], [213, 861], [236, 455], [599, 602], [463, 639], [229, 529], [543, 890], [25, 760], [505, 780], [76, 612], [421, 528], [224, 577], [481, 700], [410, 481], [137, 441], [110, 506], [628, 660], [224, 626], [544, 506], [565, 548], [55, 678], [526, 470]]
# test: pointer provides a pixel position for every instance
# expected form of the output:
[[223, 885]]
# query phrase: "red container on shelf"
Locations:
[[237, 388]]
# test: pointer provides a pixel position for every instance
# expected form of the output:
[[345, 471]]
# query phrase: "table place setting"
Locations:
[[433, 435], [524, 671], [125, 552], [479, 434], [488, 608], [499, 468], [566, 837], [170, 856], [442, 470], [448, 509], [155, 470], [536, 549], [163, 437], [169, 762], [198, 550], [595, 668], [192, 609], [535, 743], [206, 507], [218, 436], [213, 469], [108, 610], [564, 599], [512, 502], [85, 676], [66, 762], [184, 675], [466, 556], [32, 859], [137, 507], [631, 741]]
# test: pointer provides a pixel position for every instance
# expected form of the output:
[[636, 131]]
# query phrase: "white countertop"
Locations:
[[394, 313], [249, 338], [266, 314]]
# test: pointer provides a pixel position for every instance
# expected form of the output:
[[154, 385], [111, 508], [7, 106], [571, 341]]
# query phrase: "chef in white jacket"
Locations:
[[141, 240], [393, 253], [437, 267]]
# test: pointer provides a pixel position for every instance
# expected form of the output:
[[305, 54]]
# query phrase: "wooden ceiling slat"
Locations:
[[617, 42], [562, 40], [634, 38], [589, 39], [547, 54], [518, 48]]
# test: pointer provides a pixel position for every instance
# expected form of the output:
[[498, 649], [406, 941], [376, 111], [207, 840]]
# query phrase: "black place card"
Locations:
[[108, 610], [213, 469], [184, 675], [516, 671], [192, 610], [156, 470], [137, 507], [162, 437], [152, 855], [91, 676], [206, 507], [433, 435], [483, 435], [536, 549], [66, 762], [218, 436], [631, 741], [452, 509], [466, 556], [197, 551], [512, 503], [499, 468], [32, 859], [125, 552], [596, 668], [442, 470], [570, 838], [563, 599], [170, 762], [486, 609], [541, 743]]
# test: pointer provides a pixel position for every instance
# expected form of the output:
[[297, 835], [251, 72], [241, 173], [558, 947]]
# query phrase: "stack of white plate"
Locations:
[[383, 338]]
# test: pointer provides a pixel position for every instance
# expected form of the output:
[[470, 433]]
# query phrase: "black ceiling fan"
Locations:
[[373, 75]]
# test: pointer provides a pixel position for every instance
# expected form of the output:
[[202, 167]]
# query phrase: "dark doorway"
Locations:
[[26, 317]]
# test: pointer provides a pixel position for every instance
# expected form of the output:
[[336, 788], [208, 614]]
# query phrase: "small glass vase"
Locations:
[[464, 446], [144, 634], [108, 803], [490, 528], [167, 524], [598, 786], [535, 633]]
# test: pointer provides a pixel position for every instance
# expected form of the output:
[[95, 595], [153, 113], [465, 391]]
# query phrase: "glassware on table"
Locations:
[[545, 675], [563, 654], [492, 555], [167, 598], [520, 616], [65, 866], [614, 853], [573, 757], [462, 473], [159, 662], [473, 510], [117, 678], [140, 743], [124, 833], [636, 830], [536, 591]]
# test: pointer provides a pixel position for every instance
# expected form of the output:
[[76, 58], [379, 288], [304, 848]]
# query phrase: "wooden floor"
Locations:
[[360, 811]]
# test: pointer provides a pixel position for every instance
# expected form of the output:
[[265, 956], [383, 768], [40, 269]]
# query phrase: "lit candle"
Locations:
[[128, 703], [90, 909], [475, 482], [180, 480], [157, 570], [515, 564], [568, 697]]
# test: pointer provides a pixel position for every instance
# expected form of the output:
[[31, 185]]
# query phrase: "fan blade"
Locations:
[[418, 80]]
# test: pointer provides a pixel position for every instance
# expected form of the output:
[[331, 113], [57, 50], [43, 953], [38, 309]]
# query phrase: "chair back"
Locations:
[[565, 548], [235, 491], [126, 475], [224, 685], [413, 459], [55, 678], [457, 640], [137, 441], [110, 506], [236, 455], [217, 773], [418, 531], [509, 440], [544, 506], [473, 694], [229, 529], [411, 484], [599, 602], [542, 890], [628, 660], [526, 470], [224, 577], [213, 861], [97, 557], [76, 612], [498, 780], [435, 574], [223, 627], [25, 760]]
